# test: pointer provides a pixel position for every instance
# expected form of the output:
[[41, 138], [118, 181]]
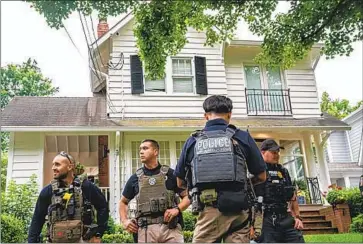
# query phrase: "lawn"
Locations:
[[329, 238]]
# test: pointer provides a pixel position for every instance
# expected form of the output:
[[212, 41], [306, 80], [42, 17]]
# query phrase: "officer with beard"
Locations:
[[278, 192], [67, 202]]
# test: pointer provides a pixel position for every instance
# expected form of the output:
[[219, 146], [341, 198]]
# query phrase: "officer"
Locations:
[[213, 167], [279, 225], [67, 204], [158, 214]]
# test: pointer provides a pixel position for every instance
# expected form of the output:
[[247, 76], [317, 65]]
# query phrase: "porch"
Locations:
[[91, 151]]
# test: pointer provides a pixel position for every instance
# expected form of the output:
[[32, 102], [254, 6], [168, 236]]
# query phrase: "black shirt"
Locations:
[[89, 191], [132, 186], [254, 159]]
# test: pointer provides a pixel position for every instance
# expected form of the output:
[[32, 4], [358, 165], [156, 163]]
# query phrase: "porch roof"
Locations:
[[89, 113]]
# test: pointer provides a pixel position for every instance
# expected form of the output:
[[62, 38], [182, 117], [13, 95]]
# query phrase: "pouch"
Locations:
[[232, 201]]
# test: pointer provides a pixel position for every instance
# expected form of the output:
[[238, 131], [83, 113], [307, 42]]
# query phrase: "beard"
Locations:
[[61, 176]]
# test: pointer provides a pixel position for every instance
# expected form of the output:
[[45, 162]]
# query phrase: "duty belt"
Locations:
[[145, 221], [275, 209]]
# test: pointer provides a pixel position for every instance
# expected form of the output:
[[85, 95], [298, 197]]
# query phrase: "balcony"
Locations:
[[268, 102]]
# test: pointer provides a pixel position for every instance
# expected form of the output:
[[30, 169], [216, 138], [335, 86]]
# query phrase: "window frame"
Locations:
[[172, 138], [172, 76], [263, 75]]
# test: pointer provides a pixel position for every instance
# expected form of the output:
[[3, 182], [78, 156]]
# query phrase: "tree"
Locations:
[[22, 80], [161, 25], [337, 108]]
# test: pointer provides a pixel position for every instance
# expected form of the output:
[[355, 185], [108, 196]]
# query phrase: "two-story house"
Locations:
[[344, 152], [103, 132]]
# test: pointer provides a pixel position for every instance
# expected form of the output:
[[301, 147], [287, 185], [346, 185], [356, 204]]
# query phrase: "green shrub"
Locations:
[[301, 184], [25, 194], [357, 224], [189, 220], [117, 238], [355, 201], [335, 197], [111, 226], [188, 236], [12, 229]]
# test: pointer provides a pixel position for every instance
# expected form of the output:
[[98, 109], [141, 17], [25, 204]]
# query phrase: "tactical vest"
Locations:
[[278, 190], [65, 213], [153, 198], [219, 171]]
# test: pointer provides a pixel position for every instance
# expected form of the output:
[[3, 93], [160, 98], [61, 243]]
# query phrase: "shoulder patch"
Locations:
[[139, 172], [164, 169]]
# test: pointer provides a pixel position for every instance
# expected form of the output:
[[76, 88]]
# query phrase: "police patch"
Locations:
[[152, 181], [213, 145]]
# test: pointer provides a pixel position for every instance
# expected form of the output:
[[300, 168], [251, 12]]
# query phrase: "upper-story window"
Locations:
[[184, 75], [258, 77], [265, 91]]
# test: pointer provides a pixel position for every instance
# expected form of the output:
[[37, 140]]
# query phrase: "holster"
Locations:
[[287, 222], [173, 223]]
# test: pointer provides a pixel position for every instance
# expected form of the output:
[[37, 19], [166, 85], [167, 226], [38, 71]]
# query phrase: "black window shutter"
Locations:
[[137, 76], [201, 75]]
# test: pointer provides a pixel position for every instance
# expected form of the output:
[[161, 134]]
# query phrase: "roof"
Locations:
[[343, 166], [359, 110], [49, 113], [55, 111]]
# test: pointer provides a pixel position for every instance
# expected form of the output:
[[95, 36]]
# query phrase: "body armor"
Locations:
[[278, 189], [219, 172], [153, 198], [65, 213]]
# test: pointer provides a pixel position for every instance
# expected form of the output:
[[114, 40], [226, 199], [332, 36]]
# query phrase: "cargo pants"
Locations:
[[213, 226], [160, 233]]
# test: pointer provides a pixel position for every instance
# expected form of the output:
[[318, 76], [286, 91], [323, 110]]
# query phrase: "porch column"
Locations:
[[309, 160], [323, 165], [346, 181]]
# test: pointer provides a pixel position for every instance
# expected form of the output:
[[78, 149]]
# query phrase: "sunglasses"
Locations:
[[66, 155]]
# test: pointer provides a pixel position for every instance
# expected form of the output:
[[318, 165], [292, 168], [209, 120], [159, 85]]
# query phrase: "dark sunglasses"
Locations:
[[64, 154]]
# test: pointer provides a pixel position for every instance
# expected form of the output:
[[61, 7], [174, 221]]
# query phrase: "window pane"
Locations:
[[182, 67], [253, 77], [164, 153], [273, 78], [183, 85], [155, 85], [254, 98], [136, 163]]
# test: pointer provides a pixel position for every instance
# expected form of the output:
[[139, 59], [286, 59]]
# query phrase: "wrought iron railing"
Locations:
[[275, 102]]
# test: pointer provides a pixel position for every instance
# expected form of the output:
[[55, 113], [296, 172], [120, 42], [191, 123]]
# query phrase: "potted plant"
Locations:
[[79, 169]]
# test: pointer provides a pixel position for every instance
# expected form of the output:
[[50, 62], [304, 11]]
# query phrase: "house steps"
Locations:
[[314, 221]]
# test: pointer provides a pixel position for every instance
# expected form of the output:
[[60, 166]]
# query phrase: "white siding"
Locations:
[[26, 157], [162, 105], [339, 147], [354, 181], [355, 134], [303, 93]]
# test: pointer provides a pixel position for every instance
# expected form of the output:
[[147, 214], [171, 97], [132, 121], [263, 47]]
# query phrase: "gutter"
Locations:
[[147, 128]]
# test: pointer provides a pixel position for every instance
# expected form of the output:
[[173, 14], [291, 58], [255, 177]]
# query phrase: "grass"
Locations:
[[329, 238]]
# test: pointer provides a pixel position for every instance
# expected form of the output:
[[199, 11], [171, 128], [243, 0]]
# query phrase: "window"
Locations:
[[265, 86], [292, 158], [182, 74], [154, 85]]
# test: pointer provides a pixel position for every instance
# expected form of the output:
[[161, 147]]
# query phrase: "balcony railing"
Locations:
[[267, 102]]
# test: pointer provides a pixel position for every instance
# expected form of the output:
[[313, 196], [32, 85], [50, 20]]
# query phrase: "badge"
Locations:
[[152, 181], [279, 174]]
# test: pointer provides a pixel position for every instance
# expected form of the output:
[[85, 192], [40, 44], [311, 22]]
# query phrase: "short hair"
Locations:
[[154, 143], [218, 104]]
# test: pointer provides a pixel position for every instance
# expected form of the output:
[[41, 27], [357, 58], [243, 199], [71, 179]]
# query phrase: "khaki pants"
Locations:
[[212, 226], [160, 233]]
